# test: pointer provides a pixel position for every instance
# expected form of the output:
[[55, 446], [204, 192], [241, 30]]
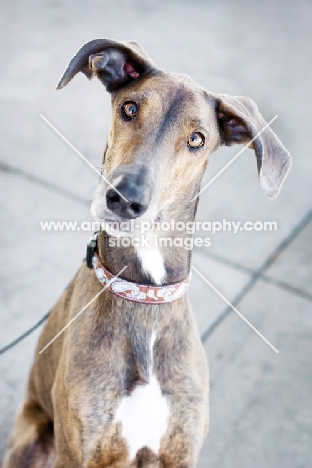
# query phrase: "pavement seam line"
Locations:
[[18, 172], [270, 259], [249, 271], [235, 310]]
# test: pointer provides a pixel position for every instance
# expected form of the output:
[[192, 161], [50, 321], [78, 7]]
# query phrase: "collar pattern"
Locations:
[[136, 292]]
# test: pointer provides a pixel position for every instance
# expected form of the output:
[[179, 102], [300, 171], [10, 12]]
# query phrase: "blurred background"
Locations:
[[261, 407]]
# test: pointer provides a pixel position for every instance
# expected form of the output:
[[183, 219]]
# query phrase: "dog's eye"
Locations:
[[130, 109], [196, 140]]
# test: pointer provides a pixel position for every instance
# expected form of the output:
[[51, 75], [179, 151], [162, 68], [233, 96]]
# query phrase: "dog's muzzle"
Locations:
[[132, 192]]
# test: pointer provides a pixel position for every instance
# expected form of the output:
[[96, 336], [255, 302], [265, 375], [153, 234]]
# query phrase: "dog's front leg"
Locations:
[[68, 428], [31, 443]]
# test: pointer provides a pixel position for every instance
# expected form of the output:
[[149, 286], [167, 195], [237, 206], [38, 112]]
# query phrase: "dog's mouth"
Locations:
[[118, 227], [127, 227]]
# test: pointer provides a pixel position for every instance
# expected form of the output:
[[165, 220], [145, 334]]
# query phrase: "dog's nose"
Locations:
[[126, 209], [132, 197]]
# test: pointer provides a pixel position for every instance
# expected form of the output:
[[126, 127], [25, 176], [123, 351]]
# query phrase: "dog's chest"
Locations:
[[144, 414]]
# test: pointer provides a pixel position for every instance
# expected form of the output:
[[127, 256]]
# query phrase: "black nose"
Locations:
[[126, 209], [132, 197]]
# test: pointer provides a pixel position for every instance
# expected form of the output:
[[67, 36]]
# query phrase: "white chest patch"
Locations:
[[144, 414]]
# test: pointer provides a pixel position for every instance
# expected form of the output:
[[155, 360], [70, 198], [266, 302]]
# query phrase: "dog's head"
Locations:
[[164, 127]]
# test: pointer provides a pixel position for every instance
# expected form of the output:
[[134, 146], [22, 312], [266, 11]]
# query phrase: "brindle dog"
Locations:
[[126, 385]]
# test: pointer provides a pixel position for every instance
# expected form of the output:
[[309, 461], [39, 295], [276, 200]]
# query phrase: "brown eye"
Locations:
[[196, 140], [130, 109]]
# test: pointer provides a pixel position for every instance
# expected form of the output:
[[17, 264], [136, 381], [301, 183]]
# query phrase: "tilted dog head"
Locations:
[[164, 127]]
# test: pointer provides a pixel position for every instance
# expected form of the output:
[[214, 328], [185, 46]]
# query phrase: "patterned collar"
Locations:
[[144, 293]]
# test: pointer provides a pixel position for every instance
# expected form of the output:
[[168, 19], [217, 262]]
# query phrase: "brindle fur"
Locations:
[[76, 384]]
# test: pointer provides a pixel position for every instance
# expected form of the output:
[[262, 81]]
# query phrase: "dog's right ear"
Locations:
[[116, 64]]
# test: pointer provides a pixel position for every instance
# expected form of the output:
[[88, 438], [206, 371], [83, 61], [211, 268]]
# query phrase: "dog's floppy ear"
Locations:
[[240, 122], [115, 63]]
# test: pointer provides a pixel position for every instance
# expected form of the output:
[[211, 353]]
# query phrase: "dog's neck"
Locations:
[[145, 265]]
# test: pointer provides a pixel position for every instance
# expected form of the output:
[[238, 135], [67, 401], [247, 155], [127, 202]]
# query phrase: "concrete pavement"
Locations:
[[261, 410]]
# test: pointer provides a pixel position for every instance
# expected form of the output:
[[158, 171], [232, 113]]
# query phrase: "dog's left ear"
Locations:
[[240, 122], [115, 63]]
